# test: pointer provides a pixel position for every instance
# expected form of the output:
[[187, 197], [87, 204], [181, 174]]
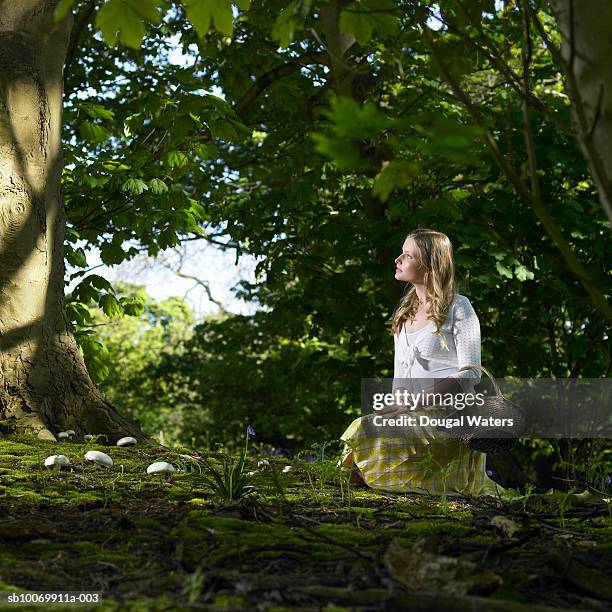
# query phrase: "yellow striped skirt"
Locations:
[[416, 458]]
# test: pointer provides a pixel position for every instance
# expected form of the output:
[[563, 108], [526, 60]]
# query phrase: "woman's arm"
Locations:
[[466, 333]]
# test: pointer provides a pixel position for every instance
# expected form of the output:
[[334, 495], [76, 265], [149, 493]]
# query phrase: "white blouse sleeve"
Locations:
[[466, 333], [396, 365]]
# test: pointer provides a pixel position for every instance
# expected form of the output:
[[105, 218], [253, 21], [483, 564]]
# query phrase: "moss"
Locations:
[[341, 533], [229, 602], [146, 522], [142, 539], [440, 527], [358, 510]]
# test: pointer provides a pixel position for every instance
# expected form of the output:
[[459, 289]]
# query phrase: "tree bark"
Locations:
[[44, 384], [585, 27]]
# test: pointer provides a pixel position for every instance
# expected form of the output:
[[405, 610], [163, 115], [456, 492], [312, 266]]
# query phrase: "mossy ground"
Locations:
[[151, 544]]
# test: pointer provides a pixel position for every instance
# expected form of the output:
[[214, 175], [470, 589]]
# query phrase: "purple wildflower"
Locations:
[[608, 479], [250, 431], [489, 472]]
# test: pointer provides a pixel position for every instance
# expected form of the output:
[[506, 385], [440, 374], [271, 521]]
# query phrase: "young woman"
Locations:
[[435, 332]]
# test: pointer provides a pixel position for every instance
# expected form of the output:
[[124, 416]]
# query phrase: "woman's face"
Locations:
[[407, 265]]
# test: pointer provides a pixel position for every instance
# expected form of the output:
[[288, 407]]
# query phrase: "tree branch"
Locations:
[[541, 212], [75, 37], [529, 144], [496, 60], [197, 280], [266, 79]]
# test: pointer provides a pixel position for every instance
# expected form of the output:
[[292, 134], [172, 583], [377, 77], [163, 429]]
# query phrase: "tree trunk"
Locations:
[[45, 386], [585, 27]]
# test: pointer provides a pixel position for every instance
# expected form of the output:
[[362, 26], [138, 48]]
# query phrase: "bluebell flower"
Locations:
[[489, 472], [308, 458], [250, 431], [608, 479]]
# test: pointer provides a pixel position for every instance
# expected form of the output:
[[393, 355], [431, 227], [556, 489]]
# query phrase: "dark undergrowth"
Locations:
[[299, 540]]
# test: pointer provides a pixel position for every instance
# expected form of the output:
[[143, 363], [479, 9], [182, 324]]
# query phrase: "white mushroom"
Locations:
[[262, 463], [87, 437], [56, 462], [286, 469], [63, 435], [70, 432], [161, 468], [102, 460], [129, 441]]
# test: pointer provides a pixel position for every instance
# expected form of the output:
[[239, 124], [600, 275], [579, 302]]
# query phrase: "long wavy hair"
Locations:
[[436, 258]]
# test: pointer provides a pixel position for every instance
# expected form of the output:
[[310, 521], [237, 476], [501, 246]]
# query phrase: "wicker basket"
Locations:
[[496, 406]]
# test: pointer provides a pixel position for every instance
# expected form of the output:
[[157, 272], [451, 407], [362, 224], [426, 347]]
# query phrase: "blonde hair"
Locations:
[[436, 257]]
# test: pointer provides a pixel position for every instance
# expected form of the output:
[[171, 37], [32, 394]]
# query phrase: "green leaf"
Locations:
[[203, 13], [363, 17], [76, 257], [158, 186], [133, 307], [97, 111], [222, 16], [222, 130], [93, 132], [134, 186], [99, 282], [396, 173], [206, 151], [124, 20], [351, 120], [455, 141], [342, 152], [196, 119], [503, 270], [290, 20], [176, 159], [111, 253], [78, 313], [199, 212], [110, 306], [522, 273], [84, 292], [71, 234], [285, 25]]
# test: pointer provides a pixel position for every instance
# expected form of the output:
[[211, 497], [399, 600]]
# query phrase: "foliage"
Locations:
[[260, 143], [132, 346], [230, 481], [239, 370]]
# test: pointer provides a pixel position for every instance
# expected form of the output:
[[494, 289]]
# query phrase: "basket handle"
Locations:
[[493, 381]]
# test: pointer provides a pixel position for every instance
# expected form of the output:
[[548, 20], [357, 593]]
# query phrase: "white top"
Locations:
[[422, 354]]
